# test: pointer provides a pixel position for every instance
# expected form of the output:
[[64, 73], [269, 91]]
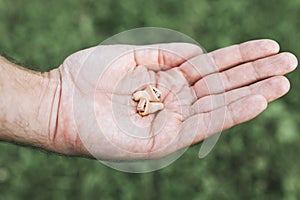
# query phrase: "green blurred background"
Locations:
[[256, 160]]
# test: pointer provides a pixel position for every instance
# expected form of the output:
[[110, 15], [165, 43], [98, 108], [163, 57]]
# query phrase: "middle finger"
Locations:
[[245, 74]]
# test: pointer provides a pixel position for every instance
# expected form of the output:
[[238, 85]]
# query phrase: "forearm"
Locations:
[[26, 105]]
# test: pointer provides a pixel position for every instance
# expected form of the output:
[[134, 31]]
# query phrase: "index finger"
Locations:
[[225, 58]]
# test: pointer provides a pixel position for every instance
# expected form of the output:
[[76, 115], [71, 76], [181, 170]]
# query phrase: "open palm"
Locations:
[[203, 94]]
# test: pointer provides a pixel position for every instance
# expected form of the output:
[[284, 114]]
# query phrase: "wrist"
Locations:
[[63, 135], [26, 105], [32, 110]]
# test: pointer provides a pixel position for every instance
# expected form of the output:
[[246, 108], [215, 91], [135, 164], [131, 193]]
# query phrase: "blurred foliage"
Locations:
[[257, 160]]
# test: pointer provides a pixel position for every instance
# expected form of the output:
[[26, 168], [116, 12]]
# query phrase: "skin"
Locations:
[[85, 106]]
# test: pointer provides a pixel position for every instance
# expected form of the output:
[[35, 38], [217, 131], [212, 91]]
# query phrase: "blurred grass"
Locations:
[[257, 160]]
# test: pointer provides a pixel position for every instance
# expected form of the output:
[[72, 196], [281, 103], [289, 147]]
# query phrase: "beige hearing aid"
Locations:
[[149, 100], [150, 93]]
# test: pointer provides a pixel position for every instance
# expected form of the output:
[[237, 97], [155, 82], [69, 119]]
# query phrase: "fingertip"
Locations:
[[256, 49], [270, 45], [256, 105], [292, 60], [284, 85], [272, 88], [260, 102], [280, 84], [247, 108]]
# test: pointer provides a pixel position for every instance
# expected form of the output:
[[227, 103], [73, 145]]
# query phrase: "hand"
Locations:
[[203, 94]]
